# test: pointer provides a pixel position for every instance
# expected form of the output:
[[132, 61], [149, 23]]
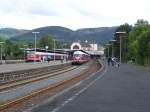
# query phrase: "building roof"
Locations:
[[84, 44]]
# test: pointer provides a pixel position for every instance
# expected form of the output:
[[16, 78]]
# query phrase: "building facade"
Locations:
[[93, 49], [84, 46]]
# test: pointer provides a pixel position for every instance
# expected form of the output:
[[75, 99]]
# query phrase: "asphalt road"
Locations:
[[124, 89]]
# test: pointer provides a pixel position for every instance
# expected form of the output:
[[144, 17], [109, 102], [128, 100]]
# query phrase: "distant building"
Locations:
[[84, 46], [91, 48]]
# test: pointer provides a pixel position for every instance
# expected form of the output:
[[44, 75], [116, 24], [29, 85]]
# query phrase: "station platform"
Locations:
[[26, 66], [123, 89]]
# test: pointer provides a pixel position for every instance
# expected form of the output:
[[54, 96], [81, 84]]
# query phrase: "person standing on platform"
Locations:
[[109, 60], [115, 62], [62, 58], [3, 59], [48, 59]]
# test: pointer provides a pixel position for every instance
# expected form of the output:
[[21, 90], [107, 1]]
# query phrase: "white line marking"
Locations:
[[53, 97], [79, 92]]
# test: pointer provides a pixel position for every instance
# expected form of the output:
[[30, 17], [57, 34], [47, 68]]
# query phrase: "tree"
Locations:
[[17, 51], [8, 48], [124, 28], [133, 50], [46, 40], [66, 45], [139, 43], [141, 22], [144, 48]]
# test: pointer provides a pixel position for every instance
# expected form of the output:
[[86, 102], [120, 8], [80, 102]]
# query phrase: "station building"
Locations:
[[84, 46], [91, 48]]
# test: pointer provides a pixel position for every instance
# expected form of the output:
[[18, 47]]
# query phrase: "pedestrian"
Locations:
[[41, 59], [62, 58], [112, 61], [3, 59], [115, 62], [48, 59], [109, 60]]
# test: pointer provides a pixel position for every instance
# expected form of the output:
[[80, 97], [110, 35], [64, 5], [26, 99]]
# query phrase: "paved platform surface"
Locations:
[[24, 66], [124, 89]]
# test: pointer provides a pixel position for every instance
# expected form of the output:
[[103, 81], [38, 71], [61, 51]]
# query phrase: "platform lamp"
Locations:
[[1, 49], [112, 42], [108, 49], [54, 49], [35, 34], [25, 51], [120, 37]]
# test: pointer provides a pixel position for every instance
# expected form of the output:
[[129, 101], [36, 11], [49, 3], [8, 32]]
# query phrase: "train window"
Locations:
[[77, 55]]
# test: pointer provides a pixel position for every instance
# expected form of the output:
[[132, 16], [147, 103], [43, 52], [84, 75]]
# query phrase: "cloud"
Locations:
[[33, 7], [74, 14]]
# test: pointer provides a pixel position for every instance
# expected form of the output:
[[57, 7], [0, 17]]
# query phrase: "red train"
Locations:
[[80, 57], [44, 55]]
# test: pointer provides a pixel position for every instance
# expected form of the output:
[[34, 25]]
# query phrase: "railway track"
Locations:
[[51, 87], [35, 78], [13, 76]]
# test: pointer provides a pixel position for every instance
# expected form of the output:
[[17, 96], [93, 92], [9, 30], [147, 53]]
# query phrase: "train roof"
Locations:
[[44, 50], [80, 52], [60, 51]]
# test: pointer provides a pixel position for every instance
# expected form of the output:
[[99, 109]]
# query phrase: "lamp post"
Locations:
[[1, 50], [24, 51], [54, 49], [112, 41], [108, 49], [46, 48], [35, 42], [120, 43]]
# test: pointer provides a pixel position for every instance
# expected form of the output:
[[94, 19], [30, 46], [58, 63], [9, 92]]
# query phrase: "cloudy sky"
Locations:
[[74, 14]]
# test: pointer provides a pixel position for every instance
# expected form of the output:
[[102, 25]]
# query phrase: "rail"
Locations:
[[8, 77], [85, 73], [42, 76]]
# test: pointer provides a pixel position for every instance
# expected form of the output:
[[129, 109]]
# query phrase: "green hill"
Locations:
[[99, 35], [10, 32]]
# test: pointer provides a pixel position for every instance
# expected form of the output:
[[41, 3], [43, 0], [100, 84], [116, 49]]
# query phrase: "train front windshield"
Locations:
[[77, 55]]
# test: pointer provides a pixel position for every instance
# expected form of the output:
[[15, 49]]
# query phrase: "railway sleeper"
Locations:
[[26, 74]]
